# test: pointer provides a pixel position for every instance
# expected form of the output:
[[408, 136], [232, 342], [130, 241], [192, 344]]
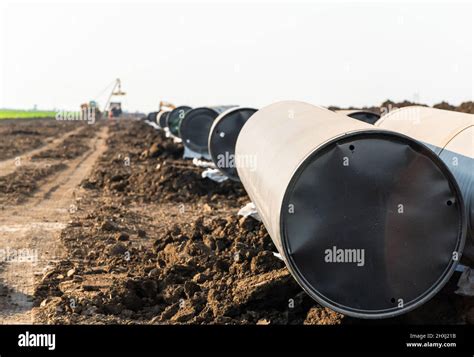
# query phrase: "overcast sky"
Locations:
[[59, 54]]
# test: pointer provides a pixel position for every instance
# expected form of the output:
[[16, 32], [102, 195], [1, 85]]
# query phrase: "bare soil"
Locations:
[[34, 209], [21, 136]]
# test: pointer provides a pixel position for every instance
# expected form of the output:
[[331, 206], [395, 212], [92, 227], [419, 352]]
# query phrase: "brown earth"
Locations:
[[20, 136], [36, 200], [465, 107]]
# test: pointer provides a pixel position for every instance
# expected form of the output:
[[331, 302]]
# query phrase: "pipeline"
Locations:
[[451, 136], [223, 137], [151, 116], [368, 221], [195, 127], [161, 118], [175, 117]]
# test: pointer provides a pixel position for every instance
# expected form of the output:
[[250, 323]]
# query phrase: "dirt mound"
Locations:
[[385, 106], [21, 184], [157, 173], [465, 107], [219, 270], [70, 148], [19, 136]]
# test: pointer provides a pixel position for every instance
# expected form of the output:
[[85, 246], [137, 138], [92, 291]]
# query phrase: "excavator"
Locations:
[[115, 108], [166, 106]]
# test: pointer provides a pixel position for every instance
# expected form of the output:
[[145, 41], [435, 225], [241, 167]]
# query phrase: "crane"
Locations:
[[115, 108]]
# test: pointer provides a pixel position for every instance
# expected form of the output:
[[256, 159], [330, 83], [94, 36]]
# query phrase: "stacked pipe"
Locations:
[[196, 125], [223, 138], [371, 220], [161, 118], [366, 220], [175, 118], [151, 117], [451, 136]]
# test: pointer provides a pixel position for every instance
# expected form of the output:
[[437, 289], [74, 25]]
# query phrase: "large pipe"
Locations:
[[175, 117], [366, 116], [161, 118], [195, 127], [451, 136], [151, 116], [366, 220], [223, 137]]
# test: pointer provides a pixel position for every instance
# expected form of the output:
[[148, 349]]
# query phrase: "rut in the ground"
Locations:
[[29, 233], [10, 165]]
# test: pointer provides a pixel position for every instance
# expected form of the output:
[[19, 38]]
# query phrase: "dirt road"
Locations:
[[29, 232]]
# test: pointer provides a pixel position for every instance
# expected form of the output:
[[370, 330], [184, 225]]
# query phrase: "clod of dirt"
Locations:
[[117, 249], [123, 236], [322, 316], [109, 226]]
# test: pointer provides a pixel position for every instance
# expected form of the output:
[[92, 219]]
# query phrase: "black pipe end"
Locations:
[[195, 127], [175, 117], [223, 138], [372, 224]]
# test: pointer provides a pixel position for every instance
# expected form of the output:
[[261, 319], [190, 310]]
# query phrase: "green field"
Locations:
[[25, 114]]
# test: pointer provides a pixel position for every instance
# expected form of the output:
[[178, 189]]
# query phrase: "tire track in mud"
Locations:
[[8, 166], [29, 233]]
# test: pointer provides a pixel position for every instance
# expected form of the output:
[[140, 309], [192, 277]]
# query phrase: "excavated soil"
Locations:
[[466, 107], [142, 165], [20, 136], [144, 249]]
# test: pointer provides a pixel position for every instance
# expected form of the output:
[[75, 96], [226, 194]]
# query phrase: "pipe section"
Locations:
[[223, 137], [175, 117], [451, 136], [367, 220], [195, 127], [161, 118]]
